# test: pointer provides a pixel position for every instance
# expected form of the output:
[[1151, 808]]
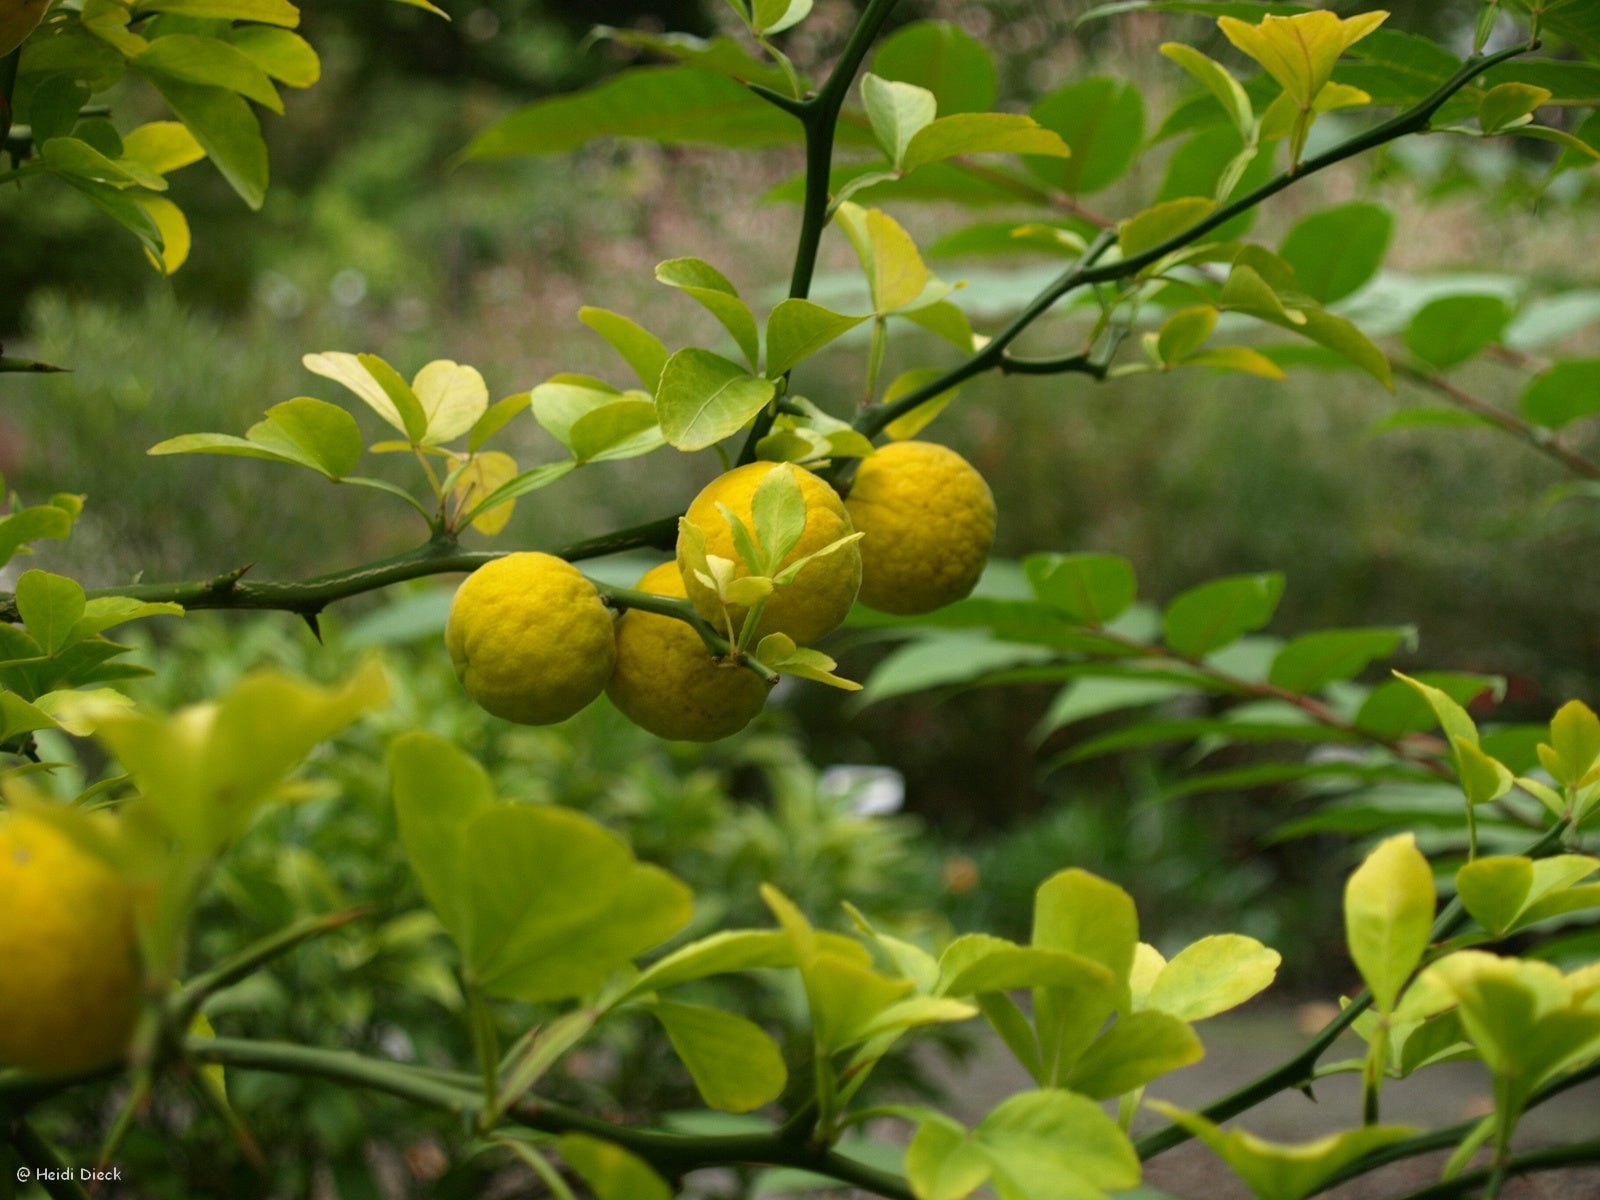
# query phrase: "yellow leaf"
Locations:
[[174, 229], [487, 471], [1300, 51]]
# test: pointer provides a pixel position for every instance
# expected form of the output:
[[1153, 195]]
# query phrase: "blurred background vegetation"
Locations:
[[372, 239]]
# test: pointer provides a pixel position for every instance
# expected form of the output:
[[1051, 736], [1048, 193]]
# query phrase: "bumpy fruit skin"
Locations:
[[928, 517], [819, 598], [69, 970], [666, 680], [531, 640]]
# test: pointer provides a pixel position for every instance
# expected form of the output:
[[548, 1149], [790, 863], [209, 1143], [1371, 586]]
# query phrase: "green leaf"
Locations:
[[799, 328], [1565, 393], [1094, 697], [1219, 82], [1494, 890], [210, 62], [1313, 661], [1483, 777], [979, 964], [1279, 1170], [611, 1172], [50, 605], [377, 384], [1237, 358], [1092, 589], [122, 208], [286, 57], [1452, 329], [897, 111], [778, 510], [1213, 975], [1053, 1144], [896, 274], [735, 1065], [528, 935], [1574, 743], [1154, 226], [671, 105], [106, 612], [205, 771], [560, 402], [1336, 250], [1508, 104], [452, 397], [703, 398], [640, 349], [774, 16], [225, 126], [18, 717], [943, 661], [162, 146], [303, 432], [720, 55], [941, 1162], [495, 418], [1395, 708], [1216, 614], [1452, 718], [948, 321], [941, 57], [719, 954], [31, 524], [981, 133], [1137, 1049], [1102, 120], [712, 289], [70, 156], [1342, 337], [267, 12], [624, 428], [1388, 915], [1184, 332]]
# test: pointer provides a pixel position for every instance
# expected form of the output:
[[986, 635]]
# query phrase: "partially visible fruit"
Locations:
[[667, 682], [531, 639], [928, 517], [819, 598], [69, 967]]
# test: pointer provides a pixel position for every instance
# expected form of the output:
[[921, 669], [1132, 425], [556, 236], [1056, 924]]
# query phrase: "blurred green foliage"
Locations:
[[723, 818]]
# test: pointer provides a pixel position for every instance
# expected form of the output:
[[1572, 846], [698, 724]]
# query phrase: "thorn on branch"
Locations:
[[226, 582], [310, 618]]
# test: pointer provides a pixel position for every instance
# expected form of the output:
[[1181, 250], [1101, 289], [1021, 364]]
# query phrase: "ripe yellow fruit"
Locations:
[[666, 680], [816, 602], [928, 517], [530, 638], [69, 987]]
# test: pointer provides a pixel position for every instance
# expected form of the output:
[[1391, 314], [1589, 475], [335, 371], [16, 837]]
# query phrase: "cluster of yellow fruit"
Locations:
[[533, 641], [69, 987]]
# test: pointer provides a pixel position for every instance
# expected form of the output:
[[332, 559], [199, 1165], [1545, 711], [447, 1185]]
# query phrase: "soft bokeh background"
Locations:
[[373, 239]]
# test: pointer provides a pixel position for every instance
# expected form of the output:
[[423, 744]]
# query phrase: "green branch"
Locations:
[[1088, 270], [1551, 1158], [819, 115], [671, 1153]]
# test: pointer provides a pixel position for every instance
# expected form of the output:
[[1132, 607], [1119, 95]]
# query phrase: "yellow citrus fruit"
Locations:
[[666, 680], [69, 987], [928, 518], [531, 640], [815, 603]]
